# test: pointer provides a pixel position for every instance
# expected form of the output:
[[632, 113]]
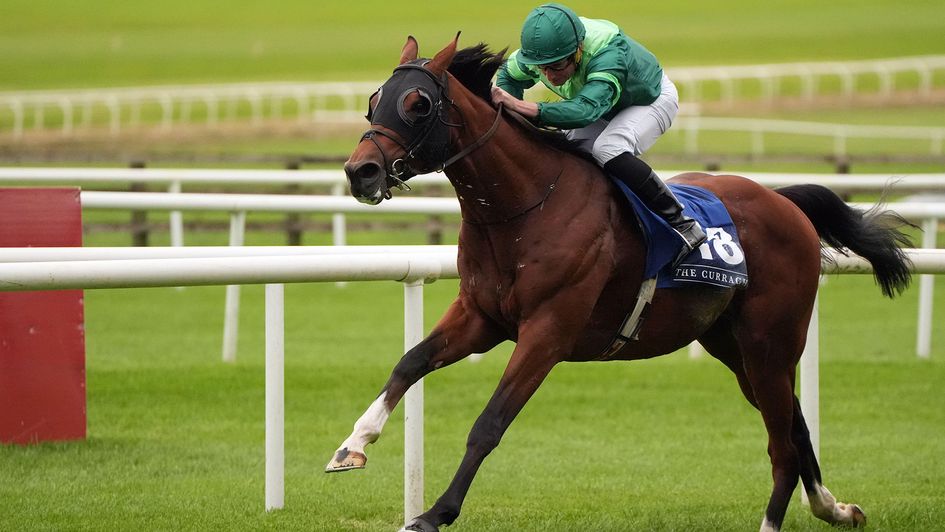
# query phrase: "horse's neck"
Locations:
[[507, 175]]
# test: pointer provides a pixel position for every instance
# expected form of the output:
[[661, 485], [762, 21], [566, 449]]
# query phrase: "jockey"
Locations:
[[616, 100]]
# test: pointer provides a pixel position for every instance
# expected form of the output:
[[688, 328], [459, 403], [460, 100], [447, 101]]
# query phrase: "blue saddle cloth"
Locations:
[[719, 262]]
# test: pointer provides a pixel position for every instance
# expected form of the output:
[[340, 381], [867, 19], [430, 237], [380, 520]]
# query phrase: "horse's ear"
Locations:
[[444, 57], [410, 50]]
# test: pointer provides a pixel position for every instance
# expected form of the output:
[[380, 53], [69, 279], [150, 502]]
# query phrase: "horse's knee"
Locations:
[[484, 437], [415, 363]]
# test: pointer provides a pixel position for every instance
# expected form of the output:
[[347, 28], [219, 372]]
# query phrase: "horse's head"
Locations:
[[409, 131]]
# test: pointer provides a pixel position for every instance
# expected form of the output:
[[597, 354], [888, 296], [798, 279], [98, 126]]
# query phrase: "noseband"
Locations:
[[426, 136]]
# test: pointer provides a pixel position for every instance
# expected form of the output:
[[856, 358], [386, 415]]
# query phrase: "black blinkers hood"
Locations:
[[426, 137]]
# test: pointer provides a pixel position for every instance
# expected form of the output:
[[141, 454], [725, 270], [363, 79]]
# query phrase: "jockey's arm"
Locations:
[[588, 106], [595, 99], [510, 89], [513, 78], [522, 107]]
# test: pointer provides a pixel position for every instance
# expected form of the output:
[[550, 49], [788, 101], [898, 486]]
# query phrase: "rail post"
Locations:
[[926, 286], [293, 220], [231, 312], [139, 219], [413, 404], [275, 397]]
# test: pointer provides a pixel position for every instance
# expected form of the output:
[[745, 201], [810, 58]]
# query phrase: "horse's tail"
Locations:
[[874, 234]]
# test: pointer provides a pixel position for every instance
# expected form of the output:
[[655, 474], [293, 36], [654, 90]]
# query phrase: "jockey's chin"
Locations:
[[558, 79]]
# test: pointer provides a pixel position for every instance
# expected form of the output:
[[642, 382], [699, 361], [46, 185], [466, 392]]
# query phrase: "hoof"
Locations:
[[346, 460], [853, 516], [859, 518], [419, 525]]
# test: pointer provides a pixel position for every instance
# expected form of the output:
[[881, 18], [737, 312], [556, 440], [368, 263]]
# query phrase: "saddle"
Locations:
[[719, 262]]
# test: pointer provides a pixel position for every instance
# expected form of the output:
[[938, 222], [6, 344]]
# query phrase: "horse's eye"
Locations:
[[422, 107], [416, 106]]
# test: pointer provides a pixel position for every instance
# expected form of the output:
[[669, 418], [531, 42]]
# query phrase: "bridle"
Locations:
[[425, 136]]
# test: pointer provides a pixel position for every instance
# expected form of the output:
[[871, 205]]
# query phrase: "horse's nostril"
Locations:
[[363, 170]]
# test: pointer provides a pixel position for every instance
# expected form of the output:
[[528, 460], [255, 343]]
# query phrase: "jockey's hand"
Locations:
[[501, 96], [526, 109]]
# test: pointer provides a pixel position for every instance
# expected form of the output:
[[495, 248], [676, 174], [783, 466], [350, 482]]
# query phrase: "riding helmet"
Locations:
[[551, 32]]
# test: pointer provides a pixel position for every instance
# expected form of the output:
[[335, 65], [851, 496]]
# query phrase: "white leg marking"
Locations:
[[367, 429], [825, 506], [768, 526]]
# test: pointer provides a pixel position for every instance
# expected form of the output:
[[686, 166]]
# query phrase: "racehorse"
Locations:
[[550, 256]]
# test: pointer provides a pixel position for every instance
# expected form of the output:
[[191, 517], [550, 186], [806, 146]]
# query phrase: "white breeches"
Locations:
[[633, 130]]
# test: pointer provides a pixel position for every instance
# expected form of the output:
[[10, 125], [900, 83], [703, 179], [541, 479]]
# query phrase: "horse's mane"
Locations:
[[475, 67]]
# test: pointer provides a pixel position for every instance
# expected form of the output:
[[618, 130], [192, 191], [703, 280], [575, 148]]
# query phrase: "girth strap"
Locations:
[[630, 329]]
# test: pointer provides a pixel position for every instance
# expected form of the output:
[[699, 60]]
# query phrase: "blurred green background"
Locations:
[[61, 43], [58, 44]]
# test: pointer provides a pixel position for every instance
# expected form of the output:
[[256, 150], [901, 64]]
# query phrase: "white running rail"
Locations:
[[929, 213]]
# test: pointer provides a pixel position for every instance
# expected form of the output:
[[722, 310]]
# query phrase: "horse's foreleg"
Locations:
[[459, 333], [526, 370], [822, 503]]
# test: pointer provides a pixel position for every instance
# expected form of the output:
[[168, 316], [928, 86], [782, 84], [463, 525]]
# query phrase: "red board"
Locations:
[[42, 334]]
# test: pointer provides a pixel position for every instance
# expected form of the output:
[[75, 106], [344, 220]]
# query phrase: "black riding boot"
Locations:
[[641, 179]]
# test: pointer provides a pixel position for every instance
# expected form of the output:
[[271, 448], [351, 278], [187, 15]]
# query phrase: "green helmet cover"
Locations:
[[551, 32]]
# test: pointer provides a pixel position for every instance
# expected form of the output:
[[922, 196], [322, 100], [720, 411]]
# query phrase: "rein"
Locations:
[[478, 144], [540, 203], [482, 140]]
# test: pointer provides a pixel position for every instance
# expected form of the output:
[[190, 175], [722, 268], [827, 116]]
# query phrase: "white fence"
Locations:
[[167, 106], [238, 204], [175, 179], [131, 107], [773, 77], [928, 213], [692, 126], [413, 268]]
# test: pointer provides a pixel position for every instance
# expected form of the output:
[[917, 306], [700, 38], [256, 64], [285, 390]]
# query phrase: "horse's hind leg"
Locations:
[[766, 380], [722, 344], [822, 503]]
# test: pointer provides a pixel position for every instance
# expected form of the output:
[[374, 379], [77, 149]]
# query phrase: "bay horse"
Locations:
[[550, 257]]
